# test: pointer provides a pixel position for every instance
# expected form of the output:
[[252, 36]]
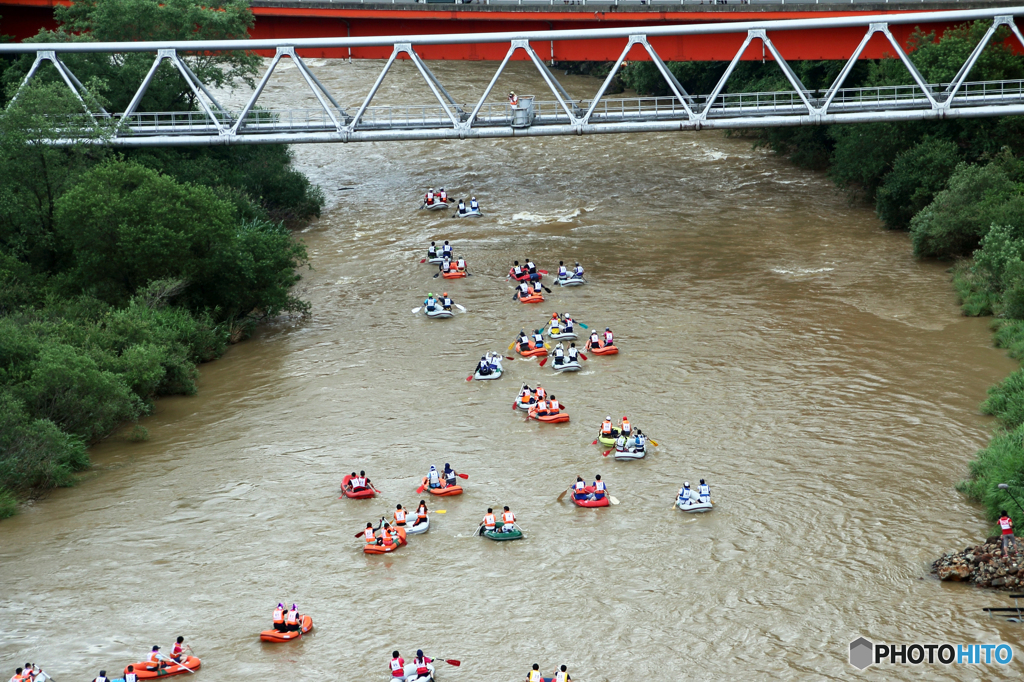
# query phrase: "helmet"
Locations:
[[474, 198], [445, 293], [607, 329], [625, 418], [577, 262], [432, 467], [686, 484], [442, 189], [609, 417], [430, 295], [431, 189]]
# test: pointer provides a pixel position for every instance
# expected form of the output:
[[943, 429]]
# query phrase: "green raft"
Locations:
[[610, 442], [498, 536]]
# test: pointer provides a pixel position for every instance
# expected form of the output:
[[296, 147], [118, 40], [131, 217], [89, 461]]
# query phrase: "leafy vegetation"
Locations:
[[120, 273]]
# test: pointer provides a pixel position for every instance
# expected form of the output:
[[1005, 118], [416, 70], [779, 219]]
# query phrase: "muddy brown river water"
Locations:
[[776, 341]]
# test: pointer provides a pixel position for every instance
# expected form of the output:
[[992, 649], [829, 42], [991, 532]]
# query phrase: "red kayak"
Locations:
[[346, 488], [603, 502], [305, 625]]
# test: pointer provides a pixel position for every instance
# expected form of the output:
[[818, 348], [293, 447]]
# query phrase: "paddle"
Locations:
[[478, 530], [423, 260], [583, 325], [543, 362], [613, 500], [606, 452], [583, 356], [416, 309], [543, 272], [595, 442], [172, 662], [652, 442], [436, 275], [559, 498], [450, 661], [420, 489], [545, 288], [463, 309]]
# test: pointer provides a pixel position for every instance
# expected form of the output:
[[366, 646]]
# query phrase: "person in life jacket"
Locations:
[[129, 674], [449, 475], [433, 478], [608, 429], [421, 514], [562, 272], [279, 617], [609, 338], [293, 619], [421, 664], [446, 250], [178, 650], [431, 251], [102, 677], [525, 393], [370, 534], [594, 341], [430, 303], [704, 491], [508, 521], [523, 291], [399, 516], [446, 302], [579, 491], [523, 341], [530, 267], [364, 480], [534, 674], [1008, 538], [442, 195], [462, 206], [554, 407], [621, 443], [386, 538], [561, 675], [624, 428], [685, 494], [489, 520], [460, 264], [538, 289], [599, 489], [577, 272], [428, 199], [473, 204], [153, 661], [558, 354], [573, 353], [541, 393], [397, 665], [18, 676], [483, 368], [516, 272], [513, 98], [567, 324], [639, 441], [446, 264]]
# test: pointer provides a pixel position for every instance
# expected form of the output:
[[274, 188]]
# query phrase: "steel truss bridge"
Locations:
[[560, 115]]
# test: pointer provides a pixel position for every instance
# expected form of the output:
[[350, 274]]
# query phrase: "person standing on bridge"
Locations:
[[513, 99]]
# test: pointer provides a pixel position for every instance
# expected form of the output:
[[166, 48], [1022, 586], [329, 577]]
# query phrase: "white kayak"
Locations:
[[470, 213], [421, 528], [411, 676], [694, 507], [567, 366], [436, 206], [570, 282], [630, 453], [438, 313], [562, 335]]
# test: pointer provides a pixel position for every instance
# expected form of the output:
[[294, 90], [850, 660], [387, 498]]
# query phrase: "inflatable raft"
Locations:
[[418, 529], [305, 625], [141, 672], [533, 351], [498, 536], [604, 350], [438, 205], [562, 336], [454, 274], [695, 507], [527, 406], [567, 366], [385, 549], [436, 260], [570, 282], [548, 418], [470, 213], [629, 453], [443, 492], [411, 676], [438, 313], [532, 298], [346, 488], [496, 370], [603, 502], [525, 277], [606, 440]]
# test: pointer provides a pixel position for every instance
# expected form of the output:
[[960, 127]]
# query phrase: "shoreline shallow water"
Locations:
[[775, 340]]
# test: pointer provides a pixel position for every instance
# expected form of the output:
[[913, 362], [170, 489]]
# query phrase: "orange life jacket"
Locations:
[[541, 393], [400, 517], [278, 616], [508, 517], [368, 534], [606, 427], [489, 520]]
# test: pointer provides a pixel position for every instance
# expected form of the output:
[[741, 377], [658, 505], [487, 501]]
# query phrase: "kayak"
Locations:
[[533, 351], [629, 453], [525, 277], [190, 663], [470, 213], [361, 495], [384, 549], [498, 536], [443, 492], [418, 529], [411, 676], [549, 418], [532, 298], [603, 502], [567, 366], [453, 274], [438, 313], [436, 206], [567, 336], [305, 625], [609, 441], [570, 282], [604, 350], [695, 508]]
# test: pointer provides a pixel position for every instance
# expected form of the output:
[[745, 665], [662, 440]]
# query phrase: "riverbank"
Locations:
[[983, 565]]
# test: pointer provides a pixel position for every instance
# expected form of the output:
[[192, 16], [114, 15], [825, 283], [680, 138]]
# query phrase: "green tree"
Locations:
[[917, 175]]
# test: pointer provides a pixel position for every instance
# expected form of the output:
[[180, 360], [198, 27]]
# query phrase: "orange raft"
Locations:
[[447, 491], [384, 549], [532, 298], [143, 672], [305, 625], [453, 274], [548, 418], [603, 349], [533, 350]]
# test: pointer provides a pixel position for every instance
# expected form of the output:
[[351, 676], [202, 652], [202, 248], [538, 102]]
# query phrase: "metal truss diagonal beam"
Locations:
[[490, 86], [790, 75]]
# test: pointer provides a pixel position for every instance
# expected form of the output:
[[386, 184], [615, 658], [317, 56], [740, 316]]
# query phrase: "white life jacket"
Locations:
[[447, 302], [684, 494], [537, 287], [572, 353], [579, 485], [443, 195], [558, 352], [430, 303], [421, 666], [396, 665], [399, 516], [461, 265], [539, 340], [530, 266], [599, 485], [560, 676], [130, 677], [705, 490], [518, 270], [446, 265], [594, 338], [358, 482], [508, 517], [462, 206], [541, 393], [431, 251], [562, 272], [368, 535], [430, 197], [554, 406], [579, 271], [524, 287], [473, 205], [432, 477], [292, 618], [535, 676], [447, 250]]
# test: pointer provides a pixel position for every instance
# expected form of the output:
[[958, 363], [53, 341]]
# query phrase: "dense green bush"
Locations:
[[917, 175]]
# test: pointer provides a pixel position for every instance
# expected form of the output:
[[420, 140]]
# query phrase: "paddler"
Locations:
[[523, 291], [431, 252], [538, 288], [531, 268], [129, 674], [534, 674], [446, 265], [460, 264], [508, 520], [450, 476], [704, 492], [399, 516], [685, 495], [483, 368], [624, 428], [369, 535], [609, 338], [102, 677], [178, 650], [421, 514], [607, 429], [599, 489], [442, 195], [430, 303], [556, 324], [526, 395], [433, 478], [562, 272], [489, 521], [292, 620], [473, 204], [153, 661], [19, 676], [577, 272], [567, 325], [594, 341], [462, 206], [428, 198], [579, 489], [639, 441], [446, 250], [561, 675], [279, 611], [397, 666], [621, 443], [420, 661], [523, 341], [540, 393], [573, 354], [538, 338], [559, 355], [517, 271], [446, 302]]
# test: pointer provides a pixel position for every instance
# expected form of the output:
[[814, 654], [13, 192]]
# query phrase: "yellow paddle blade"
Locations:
[[653, 442], [511, 344], [440, 511], [547, 346]]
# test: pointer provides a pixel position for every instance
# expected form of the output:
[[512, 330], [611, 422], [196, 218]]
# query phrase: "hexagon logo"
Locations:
[[861, 653]]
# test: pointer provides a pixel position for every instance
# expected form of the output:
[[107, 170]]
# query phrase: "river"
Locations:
[[776, 341]]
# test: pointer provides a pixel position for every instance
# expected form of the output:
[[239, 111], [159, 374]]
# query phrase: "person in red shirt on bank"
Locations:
[[1006, 523]]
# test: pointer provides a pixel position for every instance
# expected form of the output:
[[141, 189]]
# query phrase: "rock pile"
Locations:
[[984, 566]]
